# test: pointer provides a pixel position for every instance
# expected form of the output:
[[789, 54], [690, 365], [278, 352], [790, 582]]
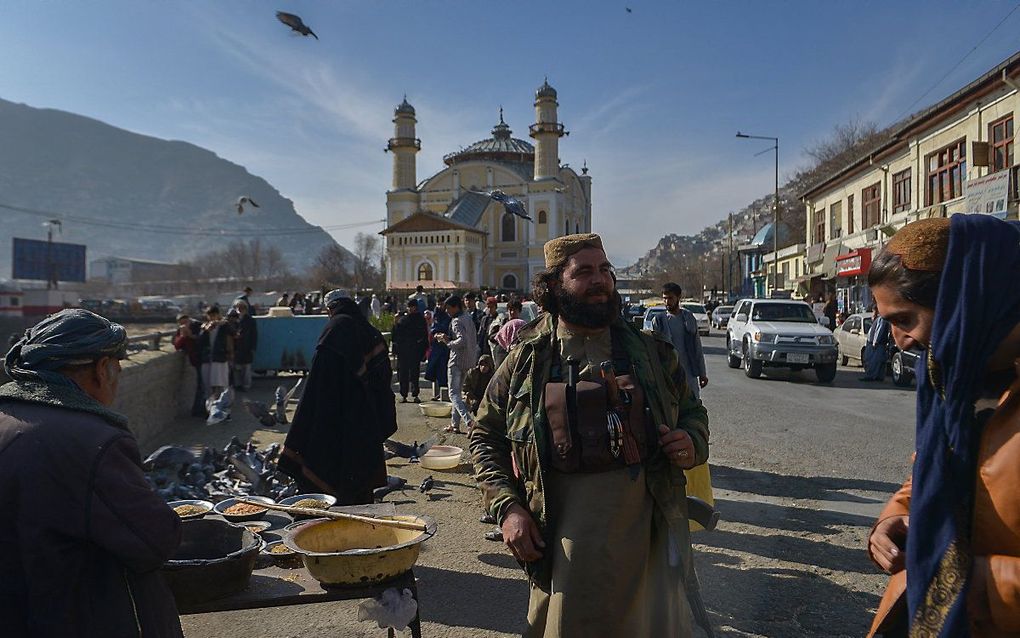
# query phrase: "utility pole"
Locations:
[[729, 274], [775, 212], [51, 270]]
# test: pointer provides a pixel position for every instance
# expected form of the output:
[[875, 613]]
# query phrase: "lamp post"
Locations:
[[775, 214]]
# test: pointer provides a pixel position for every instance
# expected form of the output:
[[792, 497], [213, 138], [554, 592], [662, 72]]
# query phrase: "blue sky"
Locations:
[[652, 98]]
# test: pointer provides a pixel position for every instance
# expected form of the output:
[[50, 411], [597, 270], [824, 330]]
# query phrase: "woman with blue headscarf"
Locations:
[[951, 536]]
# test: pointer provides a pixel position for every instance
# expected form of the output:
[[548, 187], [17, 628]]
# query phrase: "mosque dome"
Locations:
[[405, 107], [545, 91], [502, 146]]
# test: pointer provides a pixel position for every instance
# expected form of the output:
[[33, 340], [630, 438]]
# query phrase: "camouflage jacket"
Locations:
[[511, 424]]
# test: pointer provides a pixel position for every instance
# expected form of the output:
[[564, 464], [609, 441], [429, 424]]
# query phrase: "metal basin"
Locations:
[[215, 559], [344, 552]]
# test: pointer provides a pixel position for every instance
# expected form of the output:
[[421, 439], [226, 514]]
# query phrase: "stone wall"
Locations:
[[156, 387]]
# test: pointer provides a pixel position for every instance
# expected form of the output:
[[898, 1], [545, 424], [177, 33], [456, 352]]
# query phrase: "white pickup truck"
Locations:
[[779, 333]]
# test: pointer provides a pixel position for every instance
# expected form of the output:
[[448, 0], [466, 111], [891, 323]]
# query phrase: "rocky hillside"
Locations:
[[129, 195]]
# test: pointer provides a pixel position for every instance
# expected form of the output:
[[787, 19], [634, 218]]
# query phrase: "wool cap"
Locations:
[[558, 250], [922, 245], [333, 297]]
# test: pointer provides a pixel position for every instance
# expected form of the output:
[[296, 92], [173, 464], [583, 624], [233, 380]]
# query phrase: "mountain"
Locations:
[[112, 188]]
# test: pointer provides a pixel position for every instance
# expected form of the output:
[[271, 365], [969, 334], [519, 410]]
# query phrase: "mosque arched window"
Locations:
[[566, 227], [425, 271], [542, 218], [509, 228], [510, 281], [577, 227]]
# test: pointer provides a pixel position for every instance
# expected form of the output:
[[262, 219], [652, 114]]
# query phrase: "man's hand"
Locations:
[[703, 381], [886, 540], [441, 338], [677, 446], [521, 535]]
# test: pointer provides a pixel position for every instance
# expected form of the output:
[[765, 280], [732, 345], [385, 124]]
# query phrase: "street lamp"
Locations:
[[775, 215]]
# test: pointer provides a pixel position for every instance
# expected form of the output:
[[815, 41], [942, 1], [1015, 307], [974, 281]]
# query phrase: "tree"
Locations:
[[844, 138], [367, 253], [333, 267]]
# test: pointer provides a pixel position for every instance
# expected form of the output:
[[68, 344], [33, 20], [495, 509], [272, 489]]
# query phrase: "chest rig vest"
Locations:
[[601, 425]]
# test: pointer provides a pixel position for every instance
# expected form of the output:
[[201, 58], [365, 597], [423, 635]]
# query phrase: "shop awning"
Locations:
[[829, 260]]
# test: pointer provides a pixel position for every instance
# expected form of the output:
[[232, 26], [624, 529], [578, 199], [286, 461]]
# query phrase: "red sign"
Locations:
[[854, 263]]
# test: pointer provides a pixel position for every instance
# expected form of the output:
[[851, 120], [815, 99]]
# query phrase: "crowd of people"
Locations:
[[581, 427]]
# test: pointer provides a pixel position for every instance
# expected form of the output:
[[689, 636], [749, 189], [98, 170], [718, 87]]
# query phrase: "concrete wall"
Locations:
[[156, 388]]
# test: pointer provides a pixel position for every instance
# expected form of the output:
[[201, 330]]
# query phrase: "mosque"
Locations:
[[447, 233]]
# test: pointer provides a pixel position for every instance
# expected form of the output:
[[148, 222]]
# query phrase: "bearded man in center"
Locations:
[[580, 446]]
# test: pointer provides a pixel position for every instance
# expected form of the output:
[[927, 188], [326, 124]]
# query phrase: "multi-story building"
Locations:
[[954, 157], [446, 232]]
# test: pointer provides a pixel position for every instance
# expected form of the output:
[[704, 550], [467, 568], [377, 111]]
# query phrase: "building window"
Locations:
[[819, 222], [566, 226], [946, 170], [542, 219], [15, 302], [425, 271], [509, 227], [836, 220], [901, 191], [850, 214], [871, 205], [1000, 134], [510, 281], [577, 227]]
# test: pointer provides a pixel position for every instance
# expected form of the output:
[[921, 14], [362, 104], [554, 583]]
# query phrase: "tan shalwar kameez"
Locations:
[[610, 567]]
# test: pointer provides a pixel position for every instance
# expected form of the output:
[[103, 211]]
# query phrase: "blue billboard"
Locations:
[[48, 261]]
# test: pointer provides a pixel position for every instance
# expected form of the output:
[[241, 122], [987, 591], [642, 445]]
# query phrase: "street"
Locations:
[[800, 470]]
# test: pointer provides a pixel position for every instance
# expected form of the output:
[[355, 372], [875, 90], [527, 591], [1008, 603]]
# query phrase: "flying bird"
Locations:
[[510, 204], [410, 452], [242, 200], [427, 484], [295, 23], [629, 10]]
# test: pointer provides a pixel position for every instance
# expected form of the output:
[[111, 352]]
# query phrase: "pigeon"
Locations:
[[260, 411], [295, 23], [629, 10], [281, 405], [245, 199], [410, 452], [510, 204], [427, 484], [393, 484], [219, 407], [168, 456]]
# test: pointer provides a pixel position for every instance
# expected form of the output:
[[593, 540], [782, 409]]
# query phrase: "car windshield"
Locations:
[[697, 309], [794, 312]]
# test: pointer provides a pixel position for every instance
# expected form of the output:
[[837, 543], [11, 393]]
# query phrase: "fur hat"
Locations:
[[558, 250], [922, 245]]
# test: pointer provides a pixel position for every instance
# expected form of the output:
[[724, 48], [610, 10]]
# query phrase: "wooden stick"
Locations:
[[317, 513]]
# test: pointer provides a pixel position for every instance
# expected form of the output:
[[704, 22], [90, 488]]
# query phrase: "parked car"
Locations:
[[650, 315], [721, 316], [779, 333], [852, 336], [902, 363], [700, 314], [529, 310]]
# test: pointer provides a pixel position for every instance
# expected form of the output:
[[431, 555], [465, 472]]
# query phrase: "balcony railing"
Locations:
[[547, 127], [404, 142]]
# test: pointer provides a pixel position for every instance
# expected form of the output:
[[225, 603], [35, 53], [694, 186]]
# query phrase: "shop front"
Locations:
[[852, 292]]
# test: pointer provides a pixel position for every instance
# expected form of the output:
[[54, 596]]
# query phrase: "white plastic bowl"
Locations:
[[437, 409], [442, 457]]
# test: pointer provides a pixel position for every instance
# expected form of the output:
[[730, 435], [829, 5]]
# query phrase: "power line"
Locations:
[[178, 230], [957, 65]]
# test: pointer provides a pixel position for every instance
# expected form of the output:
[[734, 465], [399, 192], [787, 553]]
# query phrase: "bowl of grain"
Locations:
[[279, 554], [237, 512], [309, 501], [255, 527], [190, 509]]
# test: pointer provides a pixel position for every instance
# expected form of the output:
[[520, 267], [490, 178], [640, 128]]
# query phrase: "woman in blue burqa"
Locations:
[[439, 354], [876, 350], [346, 412], [950, 537]]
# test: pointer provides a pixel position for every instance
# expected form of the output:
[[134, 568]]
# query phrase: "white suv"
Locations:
[[779, 333]]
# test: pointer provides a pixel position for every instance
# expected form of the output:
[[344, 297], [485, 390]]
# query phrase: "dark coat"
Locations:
[[83, 533], [190, 344], [246, 341], [411, 337], [219, 351], [439, 356], [346, 412]]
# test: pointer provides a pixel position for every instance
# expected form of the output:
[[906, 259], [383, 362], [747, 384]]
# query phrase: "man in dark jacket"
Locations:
[[346, 412], [186, 340], [245, 342], [410, 341], [83, 533]]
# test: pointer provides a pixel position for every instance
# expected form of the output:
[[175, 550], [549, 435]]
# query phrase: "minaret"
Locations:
[[547, 133], [404, 146]]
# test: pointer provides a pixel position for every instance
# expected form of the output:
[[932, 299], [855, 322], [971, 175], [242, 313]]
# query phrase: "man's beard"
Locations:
[[577, 311]]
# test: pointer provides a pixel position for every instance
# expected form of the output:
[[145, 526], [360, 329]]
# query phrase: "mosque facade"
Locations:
[[445, 232]]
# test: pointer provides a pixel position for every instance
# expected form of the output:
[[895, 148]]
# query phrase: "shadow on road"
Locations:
[[475, 600], [791, 549], [797, 519], [821, 488], [779, 602]]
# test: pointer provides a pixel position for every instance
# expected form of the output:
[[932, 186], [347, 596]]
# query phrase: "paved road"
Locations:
[[800, 470]]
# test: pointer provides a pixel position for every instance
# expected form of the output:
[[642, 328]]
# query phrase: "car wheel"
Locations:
[[752, 368], [900, 376], [826, 372], [732, 360]]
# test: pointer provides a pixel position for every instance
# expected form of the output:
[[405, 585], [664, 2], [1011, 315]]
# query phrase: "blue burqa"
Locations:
[[978, 304]]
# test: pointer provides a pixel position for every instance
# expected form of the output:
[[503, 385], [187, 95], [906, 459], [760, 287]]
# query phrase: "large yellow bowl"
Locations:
[[345, 552]]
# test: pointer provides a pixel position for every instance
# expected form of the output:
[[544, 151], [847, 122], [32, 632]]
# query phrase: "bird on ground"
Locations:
[[281, 405], [410, 452], [295, 23], [510, 204], [245, 199], [393, 484], [261, 412], [427, 484]]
